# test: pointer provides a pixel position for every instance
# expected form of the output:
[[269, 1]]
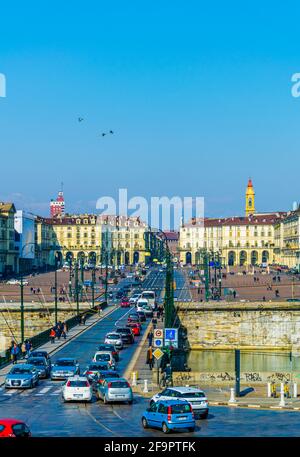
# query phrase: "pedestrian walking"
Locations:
[[150, 337], [52, 335], [28, 346], [15, 352], [273, 390], [63, 332], [286, 390], [149, 360], [23, 349]]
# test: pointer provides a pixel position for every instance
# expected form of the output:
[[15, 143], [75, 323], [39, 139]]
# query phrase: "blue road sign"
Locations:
[[171, 334]]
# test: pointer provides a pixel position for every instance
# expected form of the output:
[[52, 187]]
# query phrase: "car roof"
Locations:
[[9, 421], [103, 352], [35, 358], [184, 390], [67, 359], [173, 402], [23, 365], [119, 379], [77, 378]]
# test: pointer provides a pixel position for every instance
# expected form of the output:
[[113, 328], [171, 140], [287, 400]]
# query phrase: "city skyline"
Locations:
[[194, 111]]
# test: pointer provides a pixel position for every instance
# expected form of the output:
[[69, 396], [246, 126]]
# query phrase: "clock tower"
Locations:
[[250, 199]]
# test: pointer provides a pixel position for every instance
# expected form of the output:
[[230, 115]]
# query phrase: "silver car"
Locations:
[[115, 339], [64, 368], [22, 376], [41, 365], [115, 389]]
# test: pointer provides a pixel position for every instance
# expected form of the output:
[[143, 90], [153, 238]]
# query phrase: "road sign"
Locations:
[[158, 353], [158, 342], [158, 333], [171, 337], [171, 334]]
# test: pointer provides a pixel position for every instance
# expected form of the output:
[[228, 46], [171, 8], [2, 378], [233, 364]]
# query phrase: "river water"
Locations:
[[209, 360]]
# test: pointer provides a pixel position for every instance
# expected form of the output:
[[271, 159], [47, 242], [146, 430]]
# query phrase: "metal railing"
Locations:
[[44, 337]]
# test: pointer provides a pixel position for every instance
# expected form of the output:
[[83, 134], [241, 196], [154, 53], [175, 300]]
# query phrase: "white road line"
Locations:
[[43, 391], [57, 392]]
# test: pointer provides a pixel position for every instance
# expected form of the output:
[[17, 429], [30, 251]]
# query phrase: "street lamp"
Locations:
[[22, 294]]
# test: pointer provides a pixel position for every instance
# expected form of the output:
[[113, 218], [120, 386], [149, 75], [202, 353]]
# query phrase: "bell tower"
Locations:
[[250, 199]]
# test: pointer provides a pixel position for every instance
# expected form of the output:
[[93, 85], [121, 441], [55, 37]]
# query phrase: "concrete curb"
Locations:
[[65, 343], [137, 352], [253, 406]]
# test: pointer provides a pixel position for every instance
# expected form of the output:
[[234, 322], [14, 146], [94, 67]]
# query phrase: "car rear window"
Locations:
[[119, 384], [97, 367], [179, 409], [77, 384], [192, 395], [36, 362], [104, 357], [113, 336], [123, 330]]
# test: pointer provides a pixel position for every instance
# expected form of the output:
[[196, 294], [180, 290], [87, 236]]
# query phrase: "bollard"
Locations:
[[145, 390], [269, 389], [232, 399], [282, 401], [133, 379], [295, 392]]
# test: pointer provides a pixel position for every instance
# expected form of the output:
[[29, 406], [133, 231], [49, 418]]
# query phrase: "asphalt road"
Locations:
[[46, 414]]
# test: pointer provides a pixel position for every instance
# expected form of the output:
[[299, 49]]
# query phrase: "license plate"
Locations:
[[78, 395], [120, 396], [181, 418]]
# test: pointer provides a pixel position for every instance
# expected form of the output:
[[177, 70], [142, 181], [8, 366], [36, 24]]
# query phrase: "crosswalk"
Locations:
[[39, 391]]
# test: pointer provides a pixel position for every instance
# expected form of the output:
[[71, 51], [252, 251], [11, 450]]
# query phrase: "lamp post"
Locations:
[[22, 295], [55, 285], [76, 287]]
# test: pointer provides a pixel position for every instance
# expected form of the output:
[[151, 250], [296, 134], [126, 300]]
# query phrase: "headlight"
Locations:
[[26, 381]]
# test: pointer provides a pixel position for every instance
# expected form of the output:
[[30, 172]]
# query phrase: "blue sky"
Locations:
[[198, 94]]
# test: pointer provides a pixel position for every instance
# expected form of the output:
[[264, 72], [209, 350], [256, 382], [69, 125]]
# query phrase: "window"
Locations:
[[162, 408], [153, 408]]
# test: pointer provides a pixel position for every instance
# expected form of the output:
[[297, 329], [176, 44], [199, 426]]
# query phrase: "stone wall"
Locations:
[[242, 325], [228, 378]]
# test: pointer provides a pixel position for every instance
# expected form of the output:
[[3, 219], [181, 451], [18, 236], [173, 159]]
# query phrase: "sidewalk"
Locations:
[[52, 348]]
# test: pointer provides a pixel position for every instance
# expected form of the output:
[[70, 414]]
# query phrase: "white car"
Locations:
[[14, 282], [115, 339], [141, 303], [194, 396], [134, 298], [106, 357], [77, 388]]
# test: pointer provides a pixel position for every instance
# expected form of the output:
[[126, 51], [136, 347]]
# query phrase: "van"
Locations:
[[150, 296]]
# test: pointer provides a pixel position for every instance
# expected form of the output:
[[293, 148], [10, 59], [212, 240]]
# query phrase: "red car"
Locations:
[[135, 328], [13, 428], [125, 303]]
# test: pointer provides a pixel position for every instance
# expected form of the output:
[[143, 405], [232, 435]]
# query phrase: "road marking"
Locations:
[[57, 392], [43, 391], [100, 423]]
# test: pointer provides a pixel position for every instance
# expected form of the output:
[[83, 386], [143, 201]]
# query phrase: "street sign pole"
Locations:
[[237, 357]]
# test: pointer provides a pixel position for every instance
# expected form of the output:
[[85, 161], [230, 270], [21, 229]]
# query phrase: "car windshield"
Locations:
[[37, 362], [38, 354], [192, 394], [179, 409], [65, 363], [77, 384], [119, 385], [148, 295], [112, 336], [104, 357], [20, 371]]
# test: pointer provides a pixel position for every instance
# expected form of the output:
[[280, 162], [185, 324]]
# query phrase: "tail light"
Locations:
[[191, 411], [87, 384], [68, 384], [169, 413], [114, 353], [89, 372], [109, 385], [127, 384]]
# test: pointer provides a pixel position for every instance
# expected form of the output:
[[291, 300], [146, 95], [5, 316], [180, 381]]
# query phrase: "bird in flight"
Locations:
[[80, 119], [105, 133]]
